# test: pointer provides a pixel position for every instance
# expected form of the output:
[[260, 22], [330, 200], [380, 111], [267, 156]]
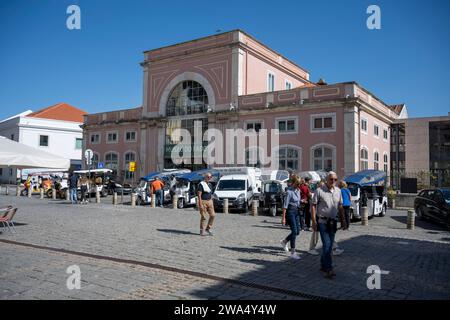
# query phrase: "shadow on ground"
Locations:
[[417, 270]]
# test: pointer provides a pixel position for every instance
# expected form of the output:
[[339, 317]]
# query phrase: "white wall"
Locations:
[[61, 138]]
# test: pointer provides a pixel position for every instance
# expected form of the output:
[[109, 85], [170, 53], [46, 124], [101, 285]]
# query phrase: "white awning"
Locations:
[[14, 154]]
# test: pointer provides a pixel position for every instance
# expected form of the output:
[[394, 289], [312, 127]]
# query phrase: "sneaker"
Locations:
[[284, 244], [337, 252], [330, 274], [209, 233], [295, 256], [314, 252]]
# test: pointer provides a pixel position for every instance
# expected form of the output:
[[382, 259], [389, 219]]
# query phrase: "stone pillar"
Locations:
[[114, 199], [411, 219], [68, 195], [225, 206], [365, 216], [255, 207], [18, 191], [6, 190], [30, 191], [97, 196], [153, 204], [54, 194], [42, 194], [133, 199], [175, 201]]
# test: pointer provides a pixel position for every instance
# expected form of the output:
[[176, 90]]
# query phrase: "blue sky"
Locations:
[[97, 68]]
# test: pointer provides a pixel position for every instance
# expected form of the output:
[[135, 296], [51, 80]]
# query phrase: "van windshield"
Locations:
[[231, 185], [353, 189]]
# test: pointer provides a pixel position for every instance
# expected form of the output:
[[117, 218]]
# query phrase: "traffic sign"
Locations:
[[100, 165], [88, 154], [132, 165]]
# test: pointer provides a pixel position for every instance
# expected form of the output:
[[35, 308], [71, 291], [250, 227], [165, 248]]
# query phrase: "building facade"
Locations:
[[420, 148], [233, 81], [56, 129]]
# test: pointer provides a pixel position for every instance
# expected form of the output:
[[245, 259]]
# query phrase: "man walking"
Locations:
[[157, 188], [205, 204], [305, 203], [73, 185], [326, 205]]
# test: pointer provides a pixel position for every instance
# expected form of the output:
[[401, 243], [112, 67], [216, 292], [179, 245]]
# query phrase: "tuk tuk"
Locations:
[[98, 178], [367, 188], [187, 185], [273, 190], [143, 196]]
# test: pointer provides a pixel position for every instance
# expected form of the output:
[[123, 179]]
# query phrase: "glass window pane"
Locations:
[[291, 125], [318, 123], [328, 152], [328, 122], [318, 153]]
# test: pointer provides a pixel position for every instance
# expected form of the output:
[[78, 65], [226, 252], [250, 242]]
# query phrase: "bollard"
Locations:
[[97, 196], [7, 190], [42, 194], [114, 198], [410, 222], [68, 195], [365, 216], [255, 208], [175, 201], [121, 197], [225, 205], [18, 191], [133, 199], [54, 194], [30, 192], [153, 200]]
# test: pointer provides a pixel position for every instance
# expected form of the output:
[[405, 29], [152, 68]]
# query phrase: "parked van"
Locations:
[[239, 189], [254, 173]]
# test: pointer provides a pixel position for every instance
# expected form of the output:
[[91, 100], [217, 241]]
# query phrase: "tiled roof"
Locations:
[[60, 111], [397, 108]]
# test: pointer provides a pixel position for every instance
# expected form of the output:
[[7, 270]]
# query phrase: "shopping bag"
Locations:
[[314, 240]]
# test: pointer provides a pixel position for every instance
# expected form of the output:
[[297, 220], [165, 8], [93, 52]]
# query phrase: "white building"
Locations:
[[55, 129]]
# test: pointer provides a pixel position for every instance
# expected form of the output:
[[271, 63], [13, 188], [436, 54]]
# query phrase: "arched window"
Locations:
[[385, 162], [323, 158], [129, 157], [364, 165], [188, 97], [112, 161], [376, 160]]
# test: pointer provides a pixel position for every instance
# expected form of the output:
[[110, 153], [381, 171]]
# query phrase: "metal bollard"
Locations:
[[114, 199], [365, 216], [175, 201], [68, 195], [255, 208], [54, 194], [18, 191], [410, 222], [6, 190], [153, 200], [30, 192], [97, 196], [41, 194], [133, 199], [225, 205]]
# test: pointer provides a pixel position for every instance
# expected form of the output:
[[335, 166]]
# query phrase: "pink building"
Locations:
[[231, 80]]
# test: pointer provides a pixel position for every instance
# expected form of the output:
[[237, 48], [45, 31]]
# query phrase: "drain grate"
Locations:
[[172, 269]]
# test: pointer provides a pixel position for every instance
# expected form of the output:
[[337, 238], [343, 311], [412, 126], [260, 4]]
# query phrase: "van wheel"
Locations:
[[181, 203], [104, 193]]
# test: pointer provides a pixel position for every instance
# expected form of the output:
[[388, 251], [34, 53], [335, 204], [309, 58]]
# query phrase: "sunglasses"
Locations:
[[332, 179]]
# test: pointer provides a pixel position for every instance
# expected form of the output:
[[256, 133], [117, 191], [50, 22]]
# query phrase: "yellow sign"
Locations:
[[132, 166]]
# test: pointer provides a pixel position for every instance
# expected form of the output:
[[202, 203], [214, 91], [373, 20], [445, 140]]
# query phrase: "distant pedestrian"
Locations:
[[206, 205], [73, 185], [327, 205], [84, 185], [157, 188], [346, 201], [306, 196], [291, 216]]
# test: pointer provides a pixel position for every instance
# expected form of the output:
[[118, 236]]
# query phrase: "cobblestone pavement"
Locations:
[[244, 249]]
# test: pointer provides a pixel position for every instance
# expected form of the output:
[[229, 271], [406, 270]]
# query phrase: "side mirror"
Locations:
[[249, 189], [259, 189]]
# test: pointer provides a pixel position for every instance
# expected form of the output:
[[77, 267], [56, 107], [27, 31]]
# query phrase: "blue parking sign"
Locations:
[[100, 165]]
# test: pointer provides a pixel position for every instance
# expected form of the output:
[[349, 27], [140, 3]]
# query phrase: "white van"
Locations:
[[239, 189], [254, 173]]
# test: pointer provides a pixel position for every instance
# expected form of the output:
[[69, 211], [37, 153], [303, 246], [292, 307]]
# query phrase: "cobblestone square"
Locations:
[[153, 253]]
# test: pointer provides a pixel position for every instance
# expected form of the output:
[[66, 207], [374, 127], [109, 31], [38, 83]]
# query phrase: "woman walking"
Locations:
[[291, 216], [346, 201]]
